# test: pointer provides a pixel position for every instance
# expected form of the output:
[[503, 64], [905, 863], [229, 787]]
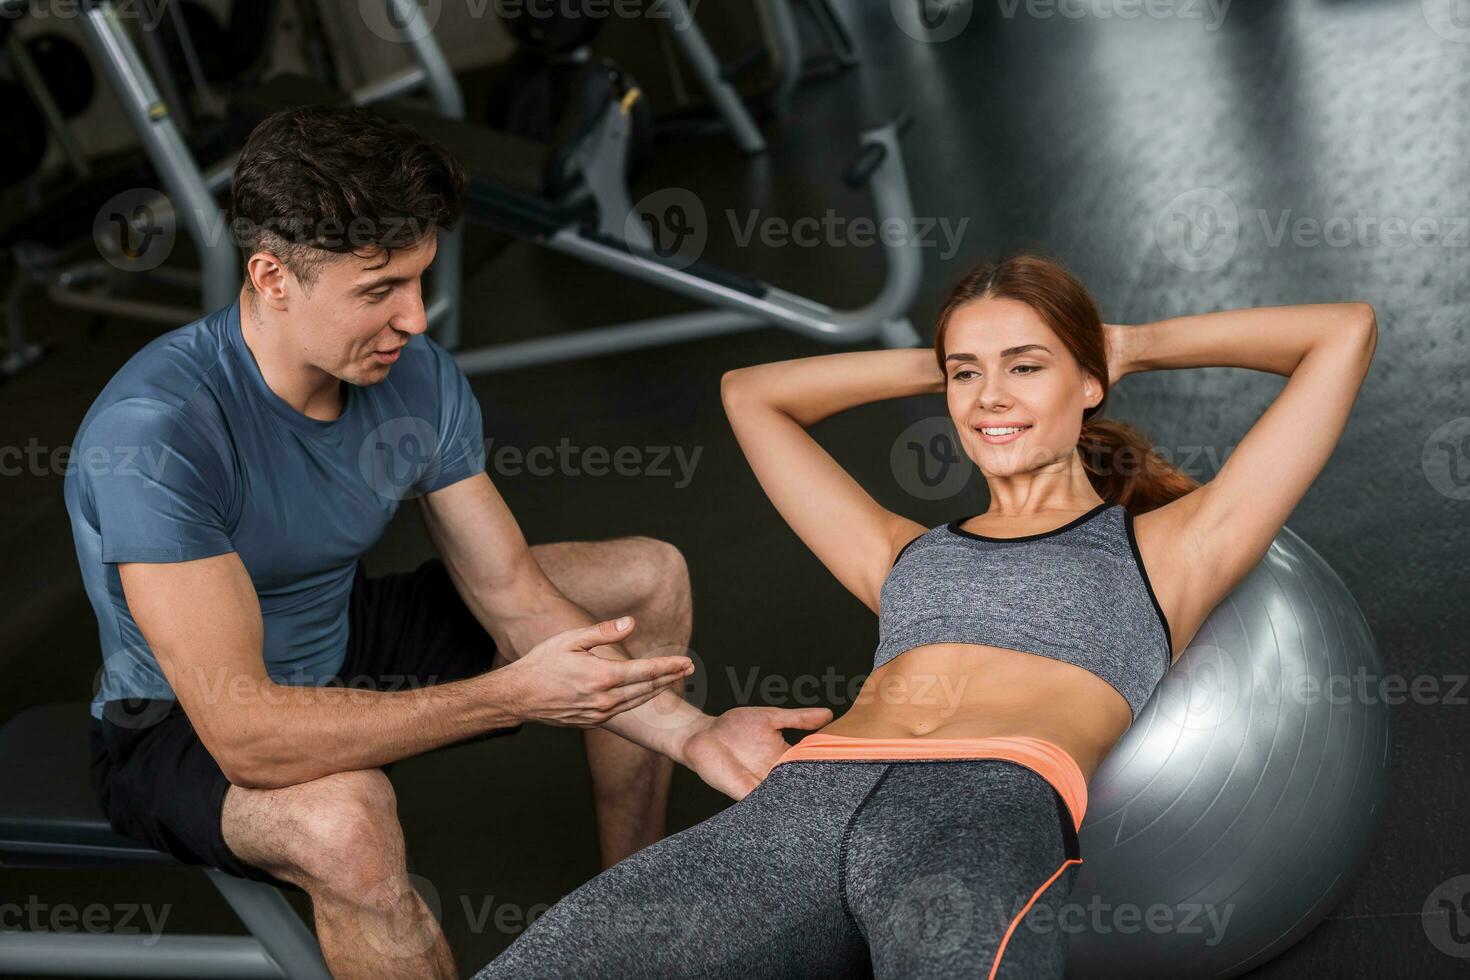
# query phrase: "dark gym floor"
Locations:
[[1073, 134]]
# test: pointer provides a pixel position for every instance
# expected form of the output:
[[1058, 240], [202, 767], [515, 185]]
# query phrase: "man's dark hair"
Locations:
[[322, 180]]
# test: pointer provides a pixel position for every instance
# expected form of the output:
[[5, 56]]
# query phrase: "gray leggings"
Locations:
[[831, 869]]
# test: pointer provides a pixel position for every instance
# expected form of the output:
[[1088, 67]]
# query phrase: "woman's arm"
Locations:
[[770, 406], [1268, 338], [1217, 534]]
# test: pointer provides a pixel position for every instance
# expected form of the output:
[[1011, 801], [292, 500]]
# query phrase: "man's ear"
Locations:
[[270, 277]]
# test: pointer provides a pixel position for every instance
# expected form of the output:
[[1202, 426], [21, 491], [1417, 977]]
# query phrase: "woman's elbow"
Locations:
[[1367, 318], [733, 386]]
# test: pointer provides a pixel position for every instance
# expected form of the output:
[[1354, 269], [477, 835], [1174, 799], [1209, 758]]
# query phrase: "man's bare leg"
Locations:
[[339, 839], [649, 580]]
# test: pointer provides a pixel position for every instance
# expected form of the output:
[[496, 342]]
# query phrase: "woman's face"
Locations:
[[1006, 368]]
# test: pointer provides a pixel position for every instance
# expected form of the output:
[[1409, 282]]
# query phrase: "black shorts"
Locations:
[[157, 782]]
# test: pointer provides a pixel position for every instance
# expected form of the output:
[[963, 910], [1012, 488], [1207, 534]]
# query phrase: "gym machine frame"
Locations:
[[736, 302]]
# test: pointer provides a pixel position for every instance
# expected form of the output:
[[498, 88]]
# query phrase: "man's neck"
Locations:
[[306, 388]]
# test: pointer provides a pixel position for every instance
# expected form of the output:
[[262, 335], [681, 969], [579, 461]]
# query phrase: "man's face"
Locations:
[[360, 312]]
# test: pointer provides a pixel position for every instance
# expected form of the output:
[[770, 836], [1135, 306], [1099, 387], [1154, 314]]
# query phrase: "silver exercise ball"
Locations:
[[1235, 812]]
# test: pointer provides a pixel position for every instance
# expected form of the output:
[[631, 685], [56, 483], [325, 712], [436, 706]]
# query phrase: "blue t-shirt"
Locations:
[[187, 453]]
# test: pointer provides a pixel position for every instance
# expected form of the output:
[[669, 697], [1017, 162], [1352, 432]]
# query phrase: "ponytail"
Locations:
[[1124, 467]]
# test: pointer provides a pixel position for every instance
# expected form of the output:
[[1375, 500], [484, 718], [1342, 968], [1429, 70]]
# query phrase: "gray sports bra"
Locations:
[[1079, 594]]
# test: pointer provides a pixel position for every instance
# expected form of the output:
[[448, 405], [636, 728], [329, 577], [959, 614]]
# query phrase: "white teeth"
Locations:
[[1002, 432]]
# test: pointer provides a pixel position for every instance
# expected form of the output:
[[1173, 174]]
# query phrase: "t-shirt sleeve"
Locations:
[[460, 449], [157, 484]]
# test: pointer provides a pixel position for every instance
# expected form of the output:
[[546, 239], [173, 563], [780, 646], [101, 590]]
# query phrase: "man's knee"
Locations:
[[660, 576], [336, 836]]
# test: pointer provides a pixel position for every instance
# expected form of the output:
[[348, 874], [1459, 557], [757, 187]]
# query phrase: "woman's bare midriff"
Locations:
[[964, 690]]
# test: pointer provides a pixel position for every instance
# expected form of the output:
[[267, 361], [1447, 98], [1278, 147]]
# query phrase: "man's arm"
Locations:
[[202, 620], [494, 571]]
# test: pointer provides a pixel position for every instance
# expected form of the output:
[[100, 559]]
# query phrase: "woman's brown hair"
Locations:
[[1120, 459]]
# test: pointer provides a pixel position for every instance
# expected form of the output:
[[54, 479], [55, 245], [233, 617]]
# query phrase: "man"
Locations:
[[223, 487]]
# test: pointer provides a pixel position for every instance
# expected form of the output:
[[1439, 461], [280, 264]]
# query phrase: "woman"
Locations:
[[923, 832]]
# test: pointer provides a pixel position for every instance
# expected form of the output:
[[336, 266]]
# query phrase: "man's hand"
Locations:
[[734, 752], [560, 681]]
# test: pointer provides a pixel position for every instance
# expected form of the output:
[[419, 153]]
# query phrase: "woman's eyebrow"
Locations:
[[1008, 352]]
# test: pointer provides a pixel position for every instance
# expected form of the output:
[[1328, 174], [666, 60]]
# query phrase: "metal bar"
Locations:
[[171, 158], [270, 918], [882, 318], [19, 355], [35, 86], [785, 37], [191, 57], [131, 309], [168, 82], [702, 60], [409, 19], [605, 340], [449, 100], [403, 82], [50, 954], [839, 35]]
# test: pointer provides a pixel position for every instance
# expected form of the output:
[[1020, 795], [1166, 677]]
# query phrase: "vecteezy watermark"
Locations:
[[1210, 684], [1211, 13], [1446, 917], [931, 21], [121, 918], [135, 231], [1201, 229], [833, 230], [137, 696], [147, 13], [400, 455], [411, 925], [568, 459], [942, 692], [544, 12], [400, 21], [934, 914], [129, 233], [1450, 19], [1446, 459], [926, 459], [1096, 916], [674, 224], [929, 461]]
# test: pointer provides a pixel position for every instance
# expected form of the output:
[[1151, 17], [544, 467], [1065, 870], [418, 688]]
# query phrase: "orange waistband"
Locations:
[[1046, 759]]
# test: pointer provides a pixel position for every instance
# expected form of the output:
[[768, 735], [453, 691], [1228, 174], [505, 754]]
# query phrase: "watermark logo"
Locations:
[[567, 459], [96, 919], [1450, 19], [1446, 917], [1202, 691], [127, 669], [397, 455], [1199, 230], [129, 233], [932, 21], [408, 931], [1446, 459], [928, 461], [695, 690], [674, 222], [400, 21], [1210, 12], [933, 915]]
